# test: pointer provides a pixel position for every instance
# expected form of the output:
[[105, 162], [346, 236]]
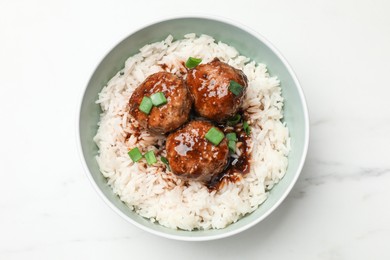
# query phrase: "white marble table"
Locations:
[[339, 208]]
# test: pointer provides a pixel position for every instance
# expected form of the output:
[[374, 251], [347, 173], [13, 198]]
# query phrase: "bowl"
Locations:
[[248, 43]]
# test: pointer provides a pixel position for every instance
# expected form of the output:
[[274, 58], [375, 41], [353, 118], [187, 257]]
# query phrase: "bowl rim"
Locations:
[[257, 35]]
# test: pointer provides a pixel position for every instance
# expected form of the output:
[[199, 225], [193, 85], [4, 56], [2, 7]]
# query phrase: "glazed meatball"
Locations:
[[209, 86], [191, 156], [167, 117]]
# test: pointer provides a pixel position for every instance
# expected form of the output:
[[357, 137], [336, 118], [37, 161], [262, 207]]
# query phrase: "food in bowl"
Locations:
[[162, 119], [144, 159], [209, 85], [192, 156]]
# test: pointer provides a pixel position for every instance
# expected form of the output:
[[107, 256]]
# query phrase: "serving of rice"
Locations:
[[152, 190]]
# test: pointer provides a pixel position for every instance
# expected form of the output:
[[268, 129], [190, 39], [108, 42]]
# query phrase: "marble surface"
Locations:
[[339, 208]]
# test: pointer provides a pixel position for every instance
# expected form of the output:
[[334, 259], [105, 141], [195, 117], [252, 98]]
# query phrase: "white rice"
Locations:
[[155, 193]]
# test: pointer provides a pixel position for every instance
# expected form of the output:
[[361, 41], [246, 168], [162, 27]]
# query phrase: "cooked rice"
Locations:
[[154, 192]]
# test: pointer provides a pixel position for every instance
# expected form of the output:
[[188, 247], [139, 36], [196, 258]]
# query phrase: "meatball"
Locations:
[[209, 86], [191, 156], [167, 117]]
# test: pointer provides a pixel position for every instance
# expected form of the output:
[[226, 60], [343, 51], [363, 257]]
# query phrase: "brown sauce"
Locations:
[[182, 70], [236, 168], [164, 66]]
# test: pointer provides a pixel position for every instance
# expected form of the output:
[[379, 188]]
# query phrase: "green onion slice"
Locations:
[[158, 99], [234, 120], [247, 128], [150, 157], [231, 136], [214, 136], [235, 88], [165, 161], [192, 62], [232, 146], [135, 154], [146, 105]]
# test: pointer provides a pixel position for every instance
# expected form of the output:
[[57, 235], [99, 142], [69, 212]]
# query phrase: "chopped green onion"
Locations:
[[214, 136], [165, 161], [146, 105], [247, 128], [232, 146], [158, 99], [231, 136], [135, 154], [150, 157], [234, 120], [192, 62], [235, 88]]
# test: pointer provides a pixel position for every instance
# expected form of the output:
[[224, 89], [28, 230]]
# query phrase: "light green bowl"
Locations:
[[248, 43]]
